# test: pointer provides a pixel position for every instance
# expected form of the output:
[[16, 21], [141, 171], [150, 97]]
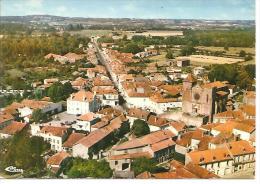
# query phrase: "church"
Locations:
[[200, 101]]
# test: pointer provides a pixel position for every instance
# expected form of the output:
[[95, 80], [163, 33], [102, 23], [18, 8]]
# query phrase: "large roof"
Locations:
[[220, 154], [149, 139]]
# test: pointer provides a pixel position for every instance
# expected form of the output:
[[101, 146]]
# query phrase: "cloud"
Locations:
[[34, 3], [61, 9]]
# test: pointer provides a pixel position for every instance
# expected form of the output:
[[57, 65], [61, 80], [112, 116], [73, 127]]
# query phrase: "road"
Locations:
[[104, 61]]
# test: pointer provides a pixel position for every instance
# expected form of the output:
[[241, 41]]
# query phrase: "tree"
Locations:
[[226, 47], [58, 92], [132, 48], [124, 38], [25, 152], [125, 128], [242, 53], [248, 57], [250, 69], [187, 50], [89, 168], [140, 128], [38, 116], [142, 164], [224, 72], [169, 55]]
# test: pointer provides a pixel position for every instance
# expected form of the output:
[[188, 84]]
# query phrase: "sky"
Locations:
[[147, 9]]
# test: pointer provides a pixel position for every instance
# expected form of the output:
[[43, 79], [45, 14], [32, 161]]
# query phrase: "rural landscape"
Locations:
[[127, 98]]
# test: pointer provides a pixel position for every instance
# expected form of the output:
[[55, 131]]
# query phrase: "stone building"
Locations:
[[202, 101]]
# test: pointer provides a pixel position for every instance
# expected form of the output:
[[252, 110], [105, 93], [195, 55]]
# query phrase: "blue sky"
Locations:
[[175, 9]]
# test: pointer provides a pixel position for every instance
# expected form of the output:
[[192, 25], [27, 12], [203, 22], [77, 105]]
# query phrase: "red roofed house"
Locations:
[[90, 145], [55, 162], [158, 145], [12, 129], [72, 139], [54, 135], [85, 121], [5, 119], [234, 156]]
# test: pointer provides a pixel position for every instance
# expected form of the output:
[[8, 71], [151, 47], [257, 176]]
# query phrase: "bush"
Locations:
[[89, 168], [140, 128]]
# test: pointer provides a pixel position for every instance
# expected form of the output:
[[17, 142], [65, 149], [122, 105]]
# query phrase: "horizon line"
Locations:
[[131, 18]]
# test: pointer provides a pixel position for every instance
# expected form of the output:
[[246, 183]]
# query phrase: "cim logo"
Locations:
[[13, 169]]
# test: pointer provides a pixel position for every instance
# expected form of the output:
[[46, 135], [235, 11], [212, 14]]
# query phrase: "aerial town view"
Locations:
[[134, 89]]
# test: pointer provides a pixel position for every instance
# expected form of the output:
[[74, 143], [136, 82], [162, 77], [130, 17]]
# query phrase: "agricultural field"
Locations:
[[208, 60], [156, 33], [89, 33], [230, 51]]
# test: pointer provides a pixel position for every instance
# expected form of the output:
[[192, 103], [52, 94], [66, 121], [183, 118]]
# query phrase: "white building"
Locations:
[[28, 106], [235, 156], [198, 71], [82, 102], [85, 121], [54, 135]]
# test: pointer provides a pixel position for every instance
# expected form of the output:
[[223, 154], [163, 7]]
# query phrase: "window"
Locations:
[[116, 162], [207, 98]]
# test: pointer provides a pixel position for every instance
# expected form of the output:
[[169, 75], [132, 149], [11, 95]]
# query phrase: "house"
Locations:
[[136, 113], [161, 102], [11, 129], [55, 162], [73, 57], [245, 130], [156, 123], [158, 145], [50, 81], [223, 117], [72, 139], [107, 96], [5, 119], [235, 156], [52, 134], [180, 171], [27, 107], [198, 71], [249, 111], [79, 83], [183, 62], [82, 102], [249, 98], [85, 121], [85, 147], [176, 127], [56, 57]]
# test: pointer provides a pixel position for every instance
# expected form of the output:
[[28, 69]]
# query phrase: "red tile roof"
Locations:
[[57, 158], [87, 117], [156, 121], [130, 156], [4, 116], [84, 96], [55, 131], [149, 139], [72, 139], [13, 128], [221, 154]]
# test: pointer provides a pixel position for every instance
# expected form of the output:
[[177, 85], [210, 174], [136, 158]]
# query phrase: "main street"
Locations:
[[104, 60]]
